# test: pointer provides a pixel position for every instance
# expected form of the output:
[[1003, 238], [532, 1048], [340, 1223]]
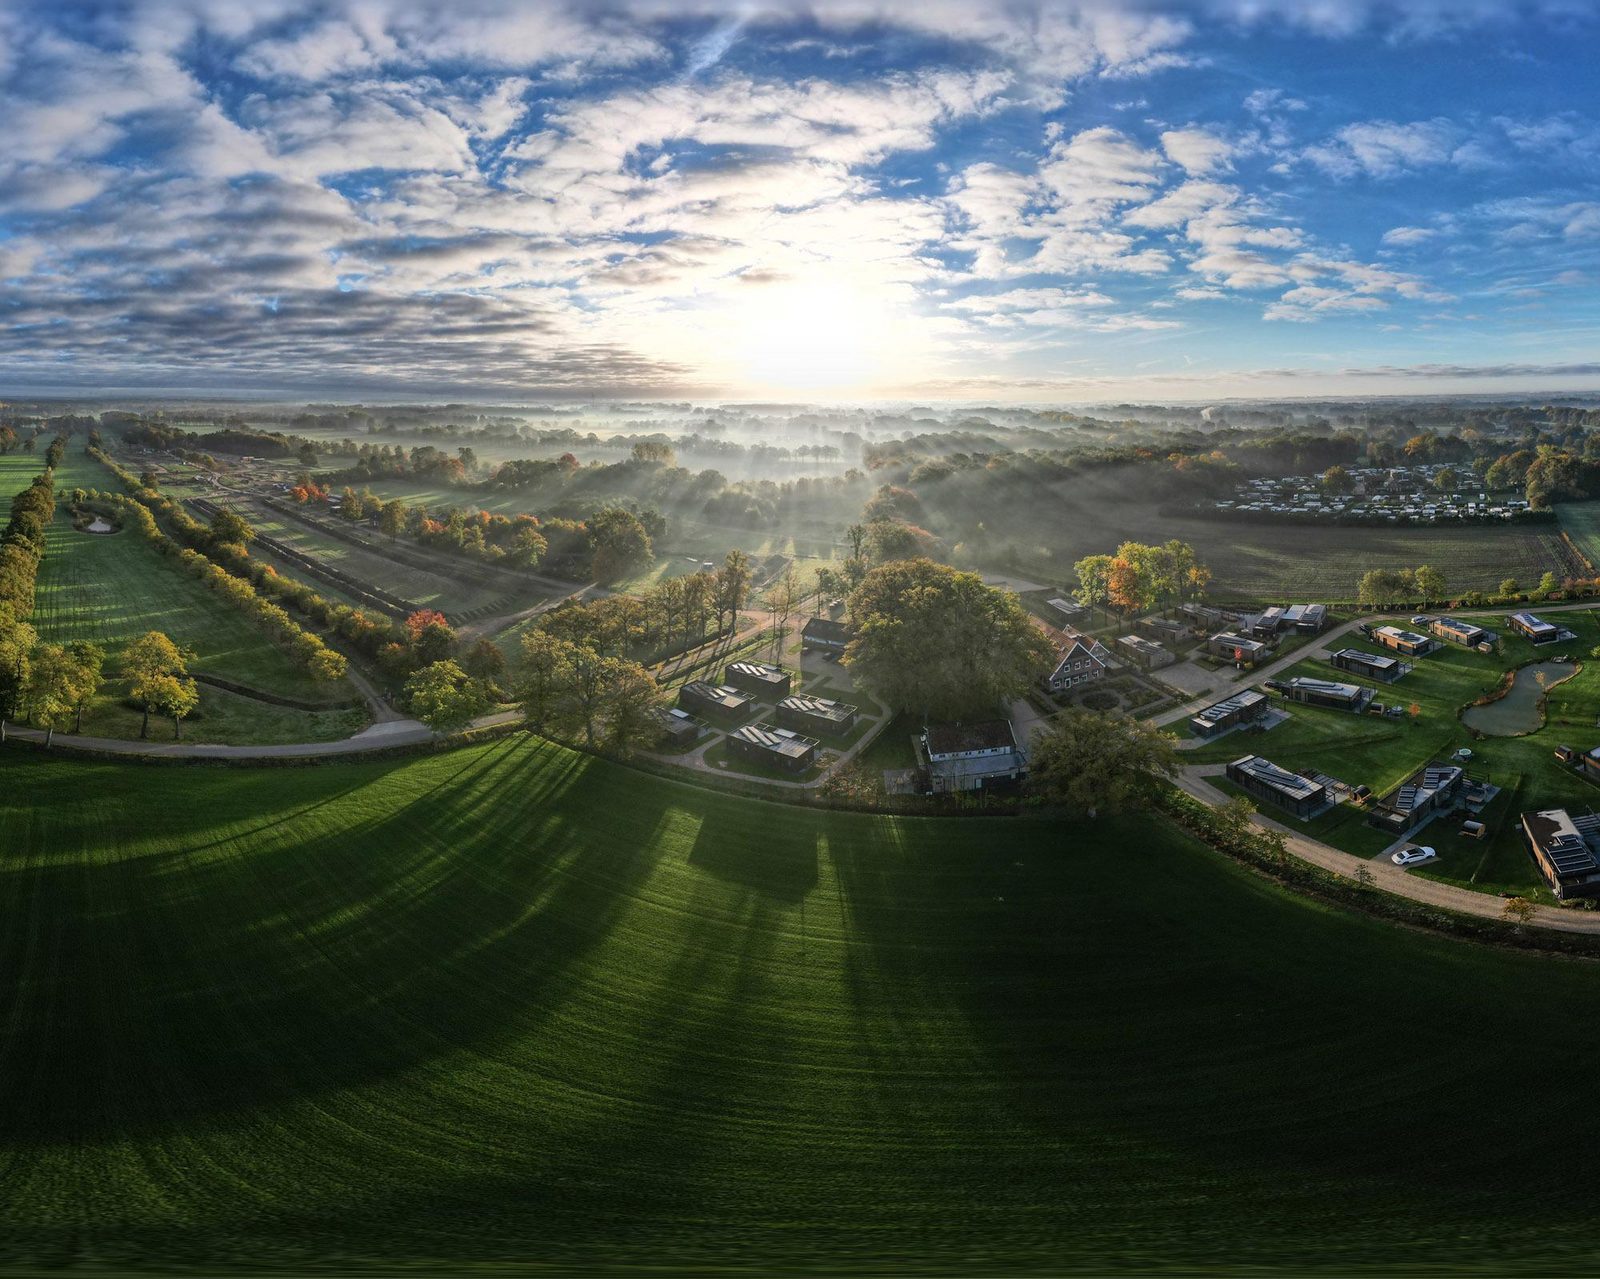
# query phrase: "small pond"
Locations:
[[1518, 711], [100, 525]]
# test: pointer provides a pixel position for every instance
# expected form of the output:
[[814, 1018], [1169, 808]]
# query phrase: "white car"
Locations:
[[1413, 854]]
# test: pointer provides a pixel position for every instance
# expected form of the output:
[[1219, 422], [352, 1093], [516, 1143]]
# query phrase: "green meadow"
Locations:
[[511, 1004]]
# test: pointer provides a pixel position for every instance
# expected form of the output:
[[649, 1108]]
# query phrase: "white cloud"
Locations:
[[1198, 150], [1384, 149]]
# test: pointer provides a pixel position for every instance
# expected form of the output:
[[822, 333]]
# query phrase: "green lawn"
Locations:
[[511, 1005], [1380, 752], [110, 589]]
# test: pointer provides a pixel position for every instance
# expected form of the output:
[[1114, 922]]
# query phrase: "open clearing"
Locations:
[[511, 1003]]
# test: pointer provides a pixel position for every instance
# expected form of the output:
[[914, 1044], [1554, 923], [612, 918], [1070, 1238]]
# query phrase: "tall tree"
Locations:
[[783, 599], [932, 639], [47, 690], [17, 641], [732, 586], [1091, 763], [89, 661], [147, 663], [445, 697], [619, 542], [175, 696]]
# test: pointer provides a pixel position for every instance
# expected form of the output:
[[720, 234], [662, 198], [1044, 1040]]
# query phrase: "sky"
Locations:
[[830, 199]]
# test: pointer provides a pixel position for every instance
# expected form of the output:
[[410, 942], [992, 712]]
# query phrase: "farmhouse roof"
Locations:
[[955, 739]]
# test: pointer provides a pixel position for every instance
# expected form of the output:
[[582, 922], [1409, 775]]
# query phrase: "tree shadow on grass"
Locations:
[[142, 994], [763, 847]]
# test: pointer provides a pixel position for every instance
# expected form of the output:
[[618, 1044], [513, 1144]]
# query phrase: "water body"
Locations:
[[100, 525], [1518, 711]]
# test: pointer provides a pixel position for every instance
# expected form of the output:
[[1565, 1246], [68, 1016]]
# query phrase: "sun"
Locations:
[[815, 337]]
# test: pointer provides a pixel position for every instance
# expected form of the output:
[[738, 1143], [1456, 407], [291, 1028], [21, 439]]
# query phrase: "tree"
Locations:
[[89, 661], [445, 697], [936, 640], [1510, 586], [1446, 480], [1094, 581], [657, 452], [327, 667], [147, 663], [484, 661], [228, 528], [48, 688], [1091, 763], [1381, 586], [1336, 480], [431, 637], [1430, 583], [618, 541], [856, 535], [783, 599], [630, 700], [1549, 583], [17, 641], [731, 590], [541, 676], [175, 696], [392, 521], [1519, 910]]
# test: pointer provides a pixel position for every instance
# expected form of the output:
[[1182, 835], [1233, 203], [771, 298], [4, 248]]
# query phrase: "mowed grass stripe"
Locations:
[[512, 1003]]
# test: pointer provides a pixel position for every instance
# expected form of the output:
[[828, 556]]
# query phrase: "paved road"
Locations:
[[395, 731]]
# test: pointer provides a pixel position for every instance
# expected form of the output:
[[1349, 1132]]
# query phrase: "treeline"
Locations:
[[23, 541]]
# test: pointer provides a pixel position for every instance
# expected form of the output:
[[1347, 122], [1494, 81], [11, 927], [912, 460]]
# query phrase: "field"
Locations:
[[110, 589], [1283, 561], [1581, 522], [1382, 752], [510, 1004]]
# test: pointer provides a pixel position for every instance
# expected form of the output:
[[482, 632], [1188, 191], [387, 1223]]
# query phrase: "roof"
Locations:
[[1555, 833], [722, 694], [1139, 643], [760, 670], [780, 741], [1422, 786], [1409, 637], [1327, 687], [955, 739], [1238, 702], [1378, 660], [1278, 779], [828, 629], [818, 707], [1532, 623], [1456, 626], [1238, 641]]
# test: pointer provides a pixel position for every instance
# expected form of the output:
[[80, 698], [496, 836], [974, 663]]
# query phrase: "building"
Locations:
[[1563, 847], [1068, 609], [1433, 788], [816, 715], [775, 747], [719, 702], [962, 757], [1242, 708], [1370, 665], [1237, 648], [1267, 624], [1202, 617], [1145, 653], [1164, 630], [1534, 629], [1289, 791], [825, 634], [678, 727], [1308, 619], [759, 678], [1407, 642], [1083, 661], [1459, 632], [1323, 692]]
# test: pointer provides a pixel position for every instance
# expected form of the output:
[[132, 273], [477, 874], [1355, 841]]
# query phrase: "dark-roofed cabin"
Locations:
[[1241, 708], [678, 727], [718, 702], [1563, 847], [825, 634], [759, 678], [816, 715], [1278, 786], [1433, 788], [1145, 653], [1324, 692], [1307, 619], [1370, 665], [775, 747], [977, 756], [1459, 632], [1534, 629], [1237, 648]]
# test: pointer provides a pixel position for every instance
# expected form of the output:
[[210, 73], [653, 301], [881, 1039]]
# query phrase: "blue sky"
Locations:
[[841, 199]]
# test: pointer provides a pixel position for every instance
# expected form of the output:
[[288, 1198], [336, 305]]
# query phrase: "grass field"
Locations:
[[513, 1005], [110, 589], [1280, 561], [1381, 752]]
